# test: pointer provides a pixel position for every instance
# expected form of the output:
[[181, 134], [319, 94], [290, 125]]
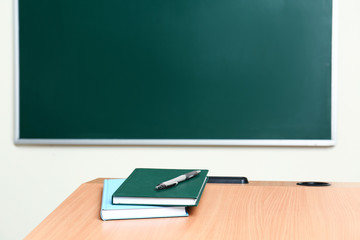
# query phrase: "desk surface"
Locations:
[[258, 210]]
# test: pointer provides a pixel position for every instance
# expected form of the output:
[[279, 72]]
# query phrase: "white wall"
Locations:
[[35, 179]]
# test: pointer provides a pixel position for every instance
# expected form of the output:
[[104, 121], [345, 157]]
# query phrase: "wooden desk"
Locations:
[[259, 210]]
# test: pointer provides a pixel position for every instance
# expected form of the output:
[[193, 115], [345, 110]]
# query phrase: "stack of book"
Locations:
[[138, 197]]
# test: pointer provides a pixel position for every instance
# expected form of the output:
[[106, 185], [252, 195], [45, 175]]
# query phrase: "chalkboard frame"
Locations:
[[182, 142]]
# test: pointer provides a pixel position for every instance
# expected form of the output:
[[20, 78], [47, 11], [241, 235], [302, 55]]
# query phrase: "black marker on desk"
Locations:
[[175, 181]]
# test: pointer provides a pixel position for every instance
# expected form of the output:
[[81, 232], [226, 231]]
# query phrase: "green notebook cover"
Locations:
[[139, 188]]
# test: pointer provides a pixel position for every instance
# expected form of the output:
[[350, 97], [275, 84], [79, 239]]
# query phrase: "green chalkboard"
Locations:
[[174, 70]]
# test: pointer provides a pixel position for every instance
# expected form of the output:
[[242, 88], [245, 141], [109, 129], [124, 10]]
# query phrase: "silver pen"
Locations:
[[175, 181]]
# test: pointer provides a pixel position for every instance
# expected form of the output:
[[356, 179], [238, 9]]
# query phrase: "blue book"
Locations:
[[111, 212]]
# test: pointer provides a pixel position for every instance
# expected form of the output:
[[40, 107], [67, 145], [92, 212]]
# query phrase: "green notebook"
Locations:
[[109, 211], [139, 188]]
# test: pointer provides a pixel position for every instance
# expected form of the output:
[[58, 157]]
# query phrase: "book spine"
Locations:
[[104, 194]]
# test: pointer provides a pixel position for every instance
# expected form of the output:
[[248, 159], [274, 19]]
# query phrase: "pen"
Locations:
[[175, 181]]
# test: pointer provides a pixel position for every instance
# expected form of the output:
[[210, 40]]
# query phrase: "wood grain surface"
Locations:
[[258, 210]]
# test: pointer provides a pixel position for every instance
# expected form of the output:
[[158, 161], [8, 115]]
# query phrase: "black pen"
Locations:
[[175, 181]]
